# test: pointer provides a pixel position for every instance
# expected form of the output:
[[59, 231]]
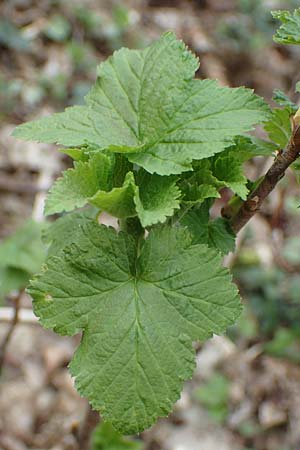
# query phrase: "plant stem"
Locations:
[[90, 421], [7, 338], [253, 203]]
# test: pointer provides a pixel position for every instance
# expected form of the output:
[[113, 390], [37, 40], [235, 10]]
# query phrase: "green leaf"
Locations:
[[279, 127], [24, 249], [156, 198], [76, 185], [153, 200], [248, 147], [214, 395], [66, 230], [21, 255], [77, 154], [283, 100], [140, 315], [119, 201], [200, 184], [147, 105], [105, 437], [289, 31], [224, 170], [58, 28], [214, 233], [12, 36], [205, 124], [228, 169], [12, 279]]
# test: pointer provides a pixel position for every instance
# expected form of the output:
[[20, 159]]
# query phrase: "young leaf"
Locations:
[[289, 31], [139, 314], [76, 185], [119, 201], [279, 126], [156, 198], [283, 100], [147, 105], [216, 234], [200, 184], [248, 147], [228, 169]]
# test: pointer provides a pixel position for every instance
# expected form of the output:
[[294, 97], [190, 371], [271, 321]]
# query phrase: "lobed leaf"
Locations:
[[279, 126], [152, 198], [76, 185], [289, 30], [146, 104], [139, 314], [119, 201], [156, 198], [216, 233], [228, 168]]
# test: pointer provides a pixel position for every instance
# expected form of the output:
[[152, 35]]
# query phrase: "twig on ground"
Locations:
[[83, 434], [9, 334], [25, 315]]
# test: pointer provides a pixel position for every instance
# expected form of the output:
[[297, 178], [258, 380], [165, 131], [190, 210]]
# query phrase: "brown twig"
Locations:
[[83, 435], [9, 334], [254, 201]]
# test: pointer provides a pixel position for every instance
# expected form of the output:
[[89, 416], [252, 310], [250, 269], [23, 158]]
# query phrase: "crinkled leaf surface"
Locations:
[[214, 233], [247, 147], [152, 197], [139, 316], [229, 169], [66, 230], [76, 185], [279, 126], [147, 105], [119, 201], [156, 198], [224, 170], [200, 184], [289, 31]]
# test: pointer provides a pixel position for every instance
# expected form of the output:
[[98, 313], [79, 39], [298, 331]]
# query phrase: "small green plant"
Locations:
[[21, 255], [152, 146], [105, 437], [214, 395]]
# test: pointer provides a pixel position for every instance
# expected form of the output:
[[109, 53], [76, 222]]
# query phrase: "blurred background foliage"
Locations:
[[246, 391]]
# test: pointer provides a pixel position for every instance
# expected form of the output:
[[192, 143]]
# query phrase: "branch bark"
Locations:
[[85, 431], [254, 201], [7, 338]]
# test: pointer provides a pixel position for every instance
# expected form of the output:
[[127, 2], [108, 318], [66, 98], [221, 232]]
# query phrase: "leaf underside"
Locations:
[[139, 316], [279, 126]]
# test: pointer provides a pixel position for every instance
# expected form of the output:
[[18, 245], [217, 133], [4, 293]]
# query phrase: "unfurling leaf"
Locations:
[[289, 31]]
